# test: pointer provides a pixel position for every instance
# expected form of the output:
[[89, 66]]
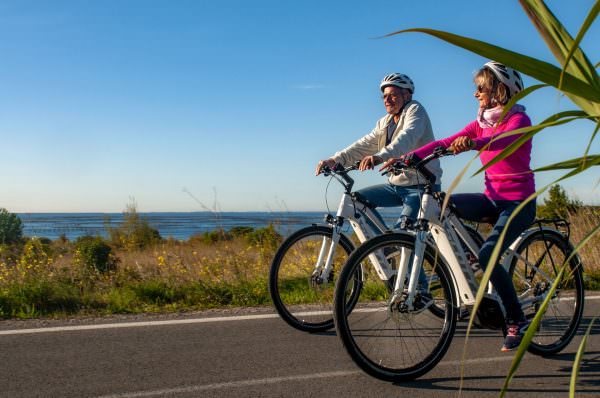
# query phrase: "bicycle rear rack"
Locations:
[[560, 224]]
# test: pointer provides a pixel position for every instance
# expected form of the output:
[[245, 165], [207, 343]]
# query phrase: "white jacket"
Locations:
[[412, 132]]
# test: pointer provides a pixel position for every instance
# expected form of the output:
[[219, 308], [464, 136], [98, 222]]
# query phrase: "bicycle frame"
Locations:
[[447, 233], [365, 223], [404, 330]]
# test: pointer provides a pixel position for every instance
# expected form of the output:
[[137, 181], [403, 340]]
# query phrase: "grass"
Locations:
[[43, 278], [47, 279]]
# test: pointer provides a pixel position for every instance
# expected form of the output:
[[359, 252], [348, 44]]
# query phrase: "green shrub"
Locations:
[[134, 232], [240, 231], [94, 252], [10, 253], [11, 228], [36, 253], [121, 301], [558, 204], [157, 292], [264, 237], [210, 237], [218, 235], [39, 297]]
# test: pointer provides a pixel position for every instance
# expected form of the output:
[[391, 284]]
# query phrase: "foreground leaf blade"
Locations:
[[536, 320], [578, 357], [545, 72]]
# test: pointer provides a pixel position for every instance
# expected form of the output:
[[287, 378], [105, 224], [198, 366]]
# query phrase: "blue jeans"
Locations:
[[409, 197], [478, 207], [388, 195]]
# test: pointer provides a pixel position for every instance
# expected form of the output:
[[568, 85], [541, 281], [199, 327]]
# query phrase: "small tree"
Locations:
[[558, 204], [134, 232], [94, 252], [11, 228]]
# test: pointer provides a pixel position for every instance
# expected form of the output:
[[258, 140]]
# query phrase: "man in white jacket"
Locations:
[[405, 128]]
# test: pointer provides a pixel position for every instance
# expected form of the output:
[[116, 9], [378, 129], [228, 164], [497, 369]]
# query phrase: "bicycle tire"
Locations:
[[302, 304], [383, 341], [549, 249]]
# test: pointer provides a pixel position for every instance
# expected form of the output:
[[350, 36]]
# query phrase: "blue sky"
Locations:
[[186, 104]]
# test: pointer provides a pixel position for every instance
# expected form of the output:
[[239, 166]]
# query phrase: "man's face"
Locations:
[[393, 99]]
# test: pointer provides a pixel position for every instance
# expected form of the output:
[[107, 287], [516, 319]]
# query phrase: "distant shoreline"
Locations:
[[177, 225]]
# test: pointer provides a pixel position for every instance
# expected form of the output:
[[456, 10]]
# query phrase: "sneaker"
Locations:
[[514, 335]]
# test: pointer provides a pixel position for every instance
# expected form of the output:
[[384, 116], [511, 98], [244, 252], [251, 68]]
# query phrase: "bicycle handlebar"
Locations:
[[419, 164], [339, 169], [341, 172]]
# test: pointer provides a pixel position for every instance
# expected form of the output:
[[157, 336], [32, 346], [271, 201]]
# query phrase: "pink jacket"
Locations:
[[509, 179]]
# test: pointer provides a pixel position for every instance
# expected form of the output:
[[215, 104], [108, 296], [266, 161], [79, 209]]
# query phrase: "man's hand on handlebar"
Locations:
[[330, 163], [369, 162], [388, 166]]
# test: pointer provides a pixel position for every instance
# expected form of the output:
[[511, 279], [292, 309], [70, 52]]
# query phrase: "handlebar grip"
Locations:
[[442, 151]]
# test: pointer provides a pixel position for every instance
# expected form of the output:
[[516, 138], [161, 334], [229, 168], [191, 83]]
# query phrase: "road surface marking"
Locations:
[[171, 322], [275, 380]]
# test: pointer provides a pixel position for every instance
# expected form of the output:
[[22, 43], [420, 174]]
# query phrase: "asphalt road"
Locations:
[[257, 355]]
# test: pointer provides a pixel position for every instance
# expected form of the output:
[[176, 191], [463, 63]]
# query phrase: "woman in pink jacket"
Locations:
[[507, 183]]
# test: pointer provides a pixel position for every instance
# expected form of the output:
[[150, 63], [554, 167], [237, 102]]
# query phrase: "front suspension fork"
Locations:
[[324, 264], [413, 279]]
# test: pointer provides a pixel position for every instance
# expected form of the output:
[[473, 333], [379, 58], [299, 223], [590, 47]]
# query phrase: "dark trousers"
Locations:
[[478, 208]]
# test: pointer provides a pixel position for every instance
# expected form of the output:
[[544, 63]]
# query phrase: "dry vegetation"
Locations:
[[43, 277]]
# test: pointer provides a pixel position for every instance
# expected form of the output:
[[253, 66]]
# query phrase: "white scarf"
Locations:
[[488, 118]]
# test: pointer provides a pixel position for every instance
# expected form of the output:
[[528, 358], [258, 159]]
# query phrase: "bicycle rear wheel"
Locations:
[[301, 300], [534, 268], [386, 340]]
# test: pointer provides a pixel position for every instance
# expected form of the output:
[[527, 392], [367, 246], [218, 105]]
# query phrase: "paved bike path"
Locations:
[[257, 356]]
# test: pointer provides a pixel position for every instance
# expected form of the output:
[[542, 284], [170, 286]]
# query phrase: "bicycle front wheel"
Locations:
[[382, 336], [535, 266], [303, 300]]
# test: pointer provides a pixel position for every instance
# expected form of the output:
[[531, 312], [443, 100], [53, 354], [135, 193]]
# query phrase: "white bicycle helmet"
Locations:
[[398, 80], [510, 77]]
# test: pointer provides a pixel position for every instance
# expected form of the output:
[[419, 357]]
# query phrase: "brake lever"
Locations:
[[326, 171], [394, 169]]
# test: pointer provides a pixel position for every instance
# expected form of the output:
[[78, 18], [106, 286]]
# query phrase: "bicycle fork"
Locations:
[[400, 299], [324, 264]]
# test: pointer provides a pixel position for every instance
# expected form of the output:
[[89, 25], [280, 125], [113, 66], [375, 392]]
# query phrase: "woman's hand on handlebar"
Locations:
[[330, 163], [369, 162], [462, 144]]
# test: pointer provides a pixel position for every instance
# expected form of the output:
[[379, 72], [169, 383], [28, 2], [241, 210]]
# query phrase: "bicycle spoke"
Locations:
[[393, 341], [301, 294], [539, 259]]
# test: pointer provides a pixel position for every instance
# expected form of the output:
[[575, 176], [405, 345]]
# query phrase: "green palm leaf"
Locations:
[[577, 361], [576, 89], [582, 31], [560, 42], [579, 164], [538, 316], [587, 149]]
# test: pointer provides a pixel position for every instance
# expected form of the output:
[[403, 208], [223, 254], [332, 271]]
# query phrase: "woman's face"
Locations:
[[483, 95]]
